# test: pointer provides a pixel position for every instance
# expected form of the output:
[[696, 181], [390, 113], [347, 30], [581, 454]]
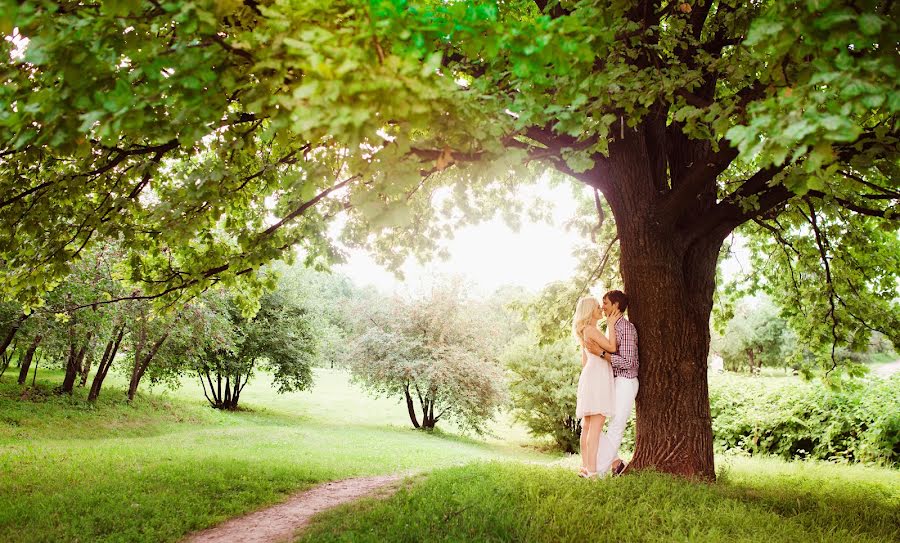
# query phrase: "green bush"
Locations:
[[858, 423], [542, 388]]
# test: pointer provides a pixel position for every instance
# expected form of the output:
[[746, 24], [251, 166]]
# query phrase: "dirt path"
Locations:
[[888, 369], [280, 522]]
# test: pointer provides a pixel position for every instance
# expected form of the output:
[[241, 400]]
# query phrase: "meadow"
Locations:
[[167, 465]]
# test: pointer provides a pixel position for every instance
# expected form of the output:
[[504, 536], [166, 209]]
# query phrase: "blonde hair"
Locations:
[[583, 312]]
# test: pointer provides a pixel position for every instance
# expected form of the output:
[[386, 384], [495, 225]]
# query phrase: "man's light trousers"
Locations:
[[626, 390]]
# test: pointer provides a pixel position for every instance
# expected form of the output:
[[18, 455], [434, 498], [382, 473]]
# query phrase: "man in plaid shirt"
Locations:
[[625, 372]]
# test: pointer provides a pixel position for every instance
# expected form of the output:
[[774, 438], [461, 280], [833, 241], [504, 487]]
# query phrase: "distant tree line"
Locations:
[[216, 337]]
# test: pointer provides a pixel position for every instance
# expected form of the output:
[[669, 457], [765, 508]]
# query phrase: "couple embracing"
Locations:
[[608, 383]]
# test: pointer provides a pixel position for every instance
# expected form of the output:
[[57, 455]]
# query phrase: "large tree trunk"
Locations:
[[26, 360], [674, 427], [669, 280]]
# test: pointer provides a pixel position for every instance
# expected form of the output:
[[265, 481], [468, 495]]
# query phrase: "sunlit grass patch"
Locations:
[[166, 465], [509, 502]]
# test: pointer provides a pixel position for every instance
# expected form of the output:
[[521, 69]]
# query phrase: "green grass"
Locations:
[[168, 465], [756, 501]]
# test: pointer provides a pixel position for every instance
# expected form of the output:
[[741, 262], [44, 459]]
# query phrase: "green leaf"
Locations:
[[870, 24]]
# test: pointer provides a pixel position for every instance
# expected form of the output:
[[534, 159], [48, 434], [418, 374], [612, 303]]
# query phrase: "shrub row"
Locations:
[[858, 423]]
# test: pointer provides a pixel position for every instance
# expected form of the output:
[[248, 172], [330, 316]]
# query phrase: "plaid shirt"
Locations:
[[625, 360]]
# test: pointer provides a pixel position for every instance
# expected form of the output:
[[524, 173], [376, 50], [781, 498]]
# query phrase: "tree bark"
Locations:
[[674, 426], [37, 362], [212, 390], [670, 280], [26, 360], [427, 413], [227, 399]]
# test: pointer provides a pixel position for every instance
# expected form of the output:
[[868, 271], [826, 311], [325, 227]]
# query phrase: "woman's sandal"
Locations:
[[585, 474]]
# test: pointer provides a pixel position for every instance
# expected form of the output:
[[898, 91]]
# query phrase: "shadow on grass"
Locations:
[[862, 509]]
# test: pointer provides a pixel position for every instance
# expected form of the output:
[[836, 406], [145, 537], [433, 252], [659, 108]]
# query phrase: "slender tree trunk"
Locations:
[[427, 414], [34, 375], [202, 384], [223, 399], [238, 390], [86, 368], [227, 403], [7, 340], [106, 362], [141, 365], [73, 367], [26, 360], [752, 362], [410, 407], [71, 372], [6, 358], [216, 401]]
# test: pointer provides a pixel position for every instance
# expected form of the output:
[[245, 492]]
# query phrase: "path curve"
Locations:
[[281, 522]]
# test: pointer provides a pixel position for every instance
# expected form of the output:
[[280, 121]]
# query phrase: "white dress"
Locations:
[[596, 392]]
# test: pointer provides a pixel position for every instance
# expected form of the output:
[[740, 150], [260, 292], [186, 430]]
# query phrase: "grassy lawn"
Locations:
[[168, 465], [758, 500]]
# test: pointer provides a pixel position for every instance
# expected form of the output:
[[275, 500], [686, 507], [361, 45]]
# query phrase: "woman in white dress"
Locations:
[[595, 397]]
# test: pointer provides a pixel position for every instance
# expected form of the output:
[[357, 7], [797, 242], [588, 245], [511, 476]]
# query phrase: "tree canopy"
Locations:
[[209, 136]]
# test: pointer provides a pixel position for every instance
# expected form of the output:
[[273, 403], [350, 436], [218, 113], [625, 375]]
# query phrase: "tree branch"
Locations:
[[556, 10], [883, 213], [687, 189], [887, 192], [25, 193], [821, 243]]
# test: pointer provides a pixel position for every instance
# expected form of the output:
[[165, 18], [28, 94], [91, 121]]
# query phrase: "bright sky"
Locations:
[[490, 254]]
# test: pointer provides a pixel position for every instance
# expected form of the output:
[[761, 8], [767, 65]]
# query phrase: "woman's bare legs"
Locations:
[[593, 427], [585, 427]]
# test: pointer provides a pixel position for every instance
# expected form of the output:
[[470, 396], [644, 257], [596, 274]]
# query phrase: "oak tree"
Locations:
[[210, 136]]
